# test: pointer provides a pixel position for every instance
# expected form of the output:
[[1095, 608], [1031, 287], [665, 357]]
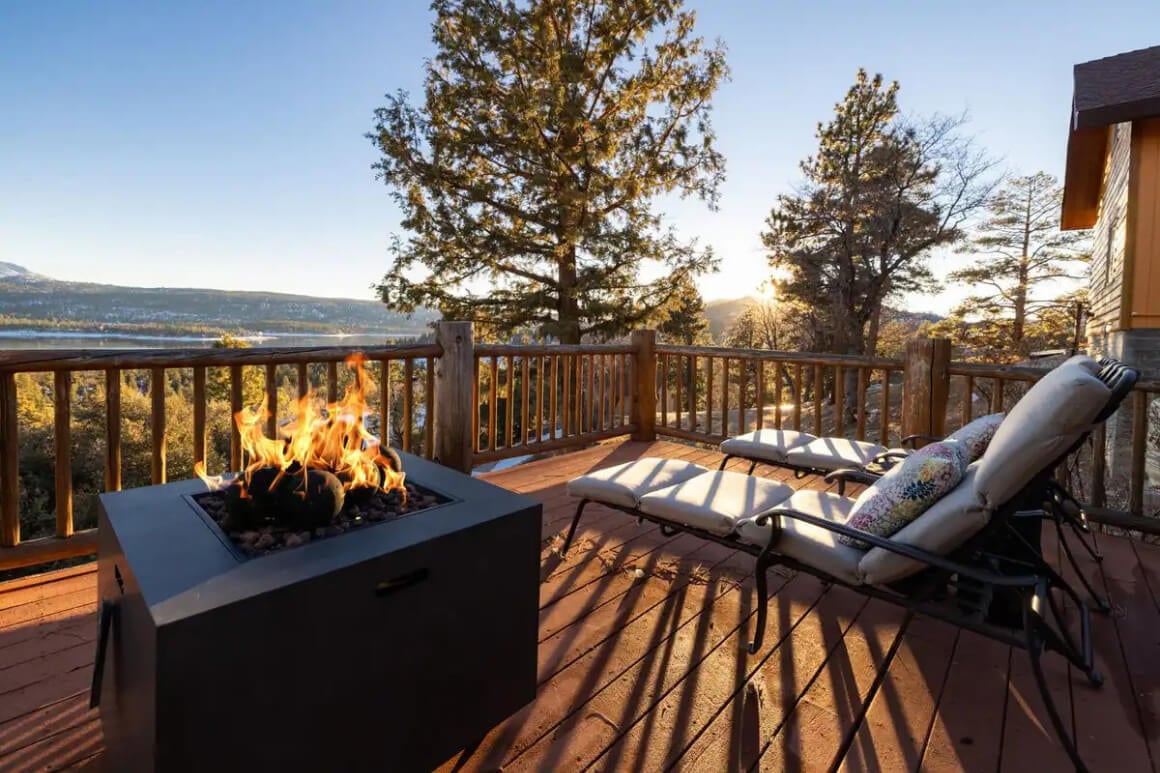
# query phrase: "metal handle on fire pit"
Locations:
[[399, 583], [105, 616]]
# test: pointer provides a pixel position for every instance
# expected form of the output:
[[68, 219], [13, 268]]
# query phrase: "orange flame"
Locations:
[[334, 439]]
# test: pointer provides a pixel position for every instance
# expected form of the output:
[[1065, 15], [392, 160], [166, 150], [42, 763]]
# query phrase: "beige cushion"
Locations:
[[811, 545], [625, 484], [948, 523], [829, 453], [768, 444], [1051, 416], [715, 501]]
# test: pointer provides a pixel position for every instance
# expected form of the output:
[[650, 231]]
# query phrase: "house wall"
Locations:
[[1109, 236]]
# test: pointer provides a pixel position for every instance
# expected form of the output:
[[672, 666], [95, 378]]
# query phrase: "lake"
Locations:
[[51, 339]]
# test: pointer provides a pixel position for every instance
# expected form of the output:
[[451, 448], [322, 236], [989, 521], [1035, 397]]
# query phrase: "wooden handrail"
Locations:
[[809, 358], [44, 360]]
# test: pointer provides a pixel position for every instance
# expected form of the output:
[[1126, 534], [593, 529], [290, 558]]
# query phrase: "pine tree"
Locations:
[[683, 319], [880, 194], [528, 174], [1018, 251]]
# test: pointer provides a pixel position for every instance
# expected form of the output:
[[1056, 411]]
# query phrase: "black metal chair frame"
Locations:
[[962, 588]]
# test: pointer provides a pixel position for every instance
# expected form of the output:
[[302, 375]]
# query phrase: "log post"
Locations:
[[925, 386], [644, 398], [453, 389]]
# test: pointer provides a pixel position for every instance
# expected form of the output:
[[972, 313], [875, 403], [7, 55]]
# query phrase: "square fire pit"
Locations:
[[387, 648]]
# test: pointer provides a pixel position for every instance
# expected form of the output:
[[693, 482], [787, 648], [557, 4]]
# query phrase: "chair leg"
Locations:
[[725, 461], [1035, 651], [752, 467], [1100, 602], [762, 604], [572, 528]]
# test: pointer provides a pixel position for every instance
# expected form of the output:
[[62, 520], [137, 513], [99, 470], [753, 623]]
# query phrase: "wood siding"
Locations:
[[1108, 237], [1144, 226]]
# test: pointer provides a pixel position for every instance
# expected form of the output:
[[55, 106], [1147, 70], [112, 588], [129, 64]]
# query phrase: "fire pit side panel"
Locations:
[[395, 663]]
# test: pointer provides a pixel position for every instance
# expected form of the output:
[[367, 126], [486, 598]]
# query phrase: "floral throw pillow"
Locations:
[[977, 434], [908, 490]]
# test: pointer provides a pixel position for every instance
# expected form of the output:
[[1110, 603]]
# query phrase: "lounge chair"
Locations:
[[973, 559]]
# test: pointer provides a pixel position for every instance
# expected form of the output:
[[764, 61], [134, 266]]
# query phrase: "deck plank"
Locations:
[[646, 669]]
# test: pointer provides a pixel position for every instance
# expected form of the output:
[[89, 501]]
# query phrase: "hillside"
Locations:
[[29, 300]]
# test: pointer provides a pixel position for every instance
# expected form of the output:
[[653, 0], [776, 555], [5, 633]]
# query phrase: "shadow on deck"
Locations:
[[642, 663]]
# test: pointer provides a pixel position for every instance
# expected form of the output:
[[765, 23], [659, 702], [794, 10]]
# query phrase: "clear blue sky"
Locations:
[[220, 144]]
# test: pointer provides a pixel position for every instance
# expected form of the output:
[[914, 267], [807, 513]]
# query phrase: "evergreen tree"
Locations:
[[1019, 250], [878, 196], [684, 320], [527, 176]]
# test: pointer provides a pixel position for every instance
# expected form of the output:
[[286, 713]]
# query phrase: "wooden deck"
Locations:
[[642, 664]]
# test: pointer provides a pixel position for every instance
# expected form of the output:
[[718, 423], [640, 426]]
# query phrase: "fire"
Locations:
[[333, 439]]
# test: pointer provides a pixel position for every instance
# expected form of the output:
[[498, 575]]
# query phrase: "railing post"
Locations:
[[925, 386], [453, 390], [644, 399]]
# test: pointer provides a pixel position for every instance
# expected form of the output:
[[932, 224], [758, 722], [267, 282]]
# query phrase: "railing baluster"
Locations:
[[664, 382], [884, 434], [997, 395], [408, 401], [566, 395], [554, 400], [862, 379], [577, 394], [492, 400], [541, 396], [691, 391], [272, 399], [709, 395], [62, 449], [777, 396], [603, 390], [476, 442], [743, 379], [113, 425], [525, 375], [968, 400], [761, 394], [839, 402], [429, 410], [678, 377], [725, 396], [9, 463], [509, 403], [157, 431], [385, 403], [1139, 443], [819, 385], [798, 396], [590, 414], [331, 382], [304, 379], [235, 406], [617, 387], [1099, 463]]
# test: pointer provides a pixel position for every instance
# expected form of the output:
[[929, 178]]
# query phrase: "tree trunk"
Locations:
[[567, 304]]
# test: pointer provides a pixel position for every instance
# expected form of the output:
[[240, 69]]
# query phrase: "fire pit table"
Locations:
[[388, 647]]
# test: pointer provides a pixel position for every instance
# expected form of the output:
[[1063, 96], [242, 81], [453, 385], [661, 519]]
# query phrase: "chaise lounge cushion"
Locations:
[[1042, 426], [829, 453], [768, 444], [948, 523], [809, 544], [1087, 363], [715, 501], [625, 484], [908, 490]]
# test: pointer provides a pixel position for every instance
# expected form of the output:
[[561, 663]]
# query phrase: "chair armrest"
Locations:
[[907, 551], [850, 474], [910, 440]]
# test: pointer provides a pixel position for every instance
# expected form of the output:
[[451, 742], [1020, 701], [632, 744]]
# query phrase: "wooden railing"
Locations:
[[405, 375], [532, 399], [467, 405], [710, 393]]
